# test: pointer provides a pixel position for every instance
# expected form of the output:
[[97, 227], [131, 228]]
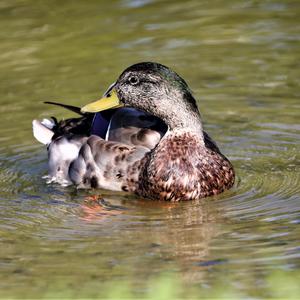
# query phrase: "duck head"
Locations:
[[156, 89]]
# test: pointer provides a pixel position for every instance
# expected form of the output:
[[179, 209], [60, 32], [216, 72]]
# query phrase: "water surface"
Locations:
[[241, 58]]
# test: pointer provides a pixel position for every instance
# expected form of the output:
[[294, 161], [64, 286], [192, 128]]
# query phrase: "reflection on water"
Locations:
[[242, 61]]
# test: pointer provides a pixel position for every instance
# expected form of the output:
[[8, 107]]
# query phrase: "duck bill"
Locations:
[[109, 100]]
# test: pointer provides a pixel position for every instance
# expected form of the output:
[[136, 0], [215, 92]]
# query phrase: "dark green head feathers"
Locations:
[[159, 72]]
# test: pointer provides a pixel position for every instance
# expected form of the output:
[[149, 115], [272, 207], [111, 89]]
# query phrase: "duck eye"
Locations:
[[133, 80]]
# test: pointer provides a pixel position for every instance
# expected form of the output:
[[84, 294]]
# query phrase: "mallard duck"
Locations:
[[143, 136]]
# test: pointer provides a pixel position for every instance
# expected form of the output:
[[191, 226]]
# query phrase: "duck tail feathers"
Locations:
[[42, 131], [75, 109]]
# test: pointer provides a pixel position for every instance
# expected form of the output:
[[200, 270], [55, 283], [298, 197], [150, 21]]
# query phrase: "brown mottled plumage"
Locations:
[[191, 171], [183, 163]]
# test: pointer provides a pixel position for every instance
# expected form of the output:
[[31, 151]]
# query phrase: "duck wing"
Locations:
[[106, 164], [114, 163], [78, 152], [126, 125], [137, 128]]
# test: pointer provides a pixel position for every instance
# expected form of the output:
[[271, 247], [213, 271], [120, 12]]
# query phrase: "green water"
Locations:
[[241, 58]]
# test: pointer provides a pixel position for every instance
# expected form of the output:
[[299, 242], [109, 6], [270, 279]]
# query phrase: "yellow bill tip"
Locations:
[[110, 100]]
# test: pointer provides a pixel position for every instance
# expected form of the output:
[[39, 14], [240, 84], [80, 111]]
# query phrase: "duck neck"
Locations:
[[185, 119], [191, 122]]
